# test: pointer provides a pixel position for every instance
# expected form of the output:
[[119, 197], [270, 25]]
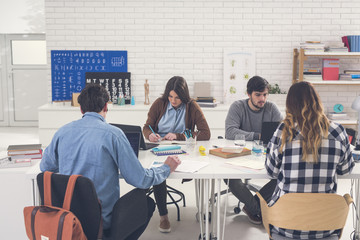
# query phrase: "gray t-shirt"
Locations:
[[241, 119]]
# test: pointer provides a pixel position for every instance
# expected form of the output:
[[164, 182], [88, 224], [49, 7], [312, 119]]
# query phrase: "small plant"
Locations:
[[275, 89]]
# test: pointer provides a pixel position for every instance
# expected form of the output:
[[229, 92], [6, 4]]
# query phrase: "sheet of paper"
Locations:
[[187, 166], [168, 142], [191, 166], [250, 161]]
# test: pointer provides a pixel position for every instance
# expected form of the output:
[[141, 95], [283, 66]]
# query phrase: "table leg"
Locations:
[[199, 204], [212, 217], [218, 204], [357, 204], [207, 209], [33, 191]]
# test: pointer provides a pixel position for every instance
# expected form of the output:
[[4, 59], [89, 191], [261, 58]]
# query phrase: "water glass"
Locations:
[[257, 148], [240, 140]]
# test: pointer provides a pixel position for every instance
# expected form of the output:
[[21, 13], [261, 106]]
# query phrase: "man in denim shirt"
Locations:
[[95, 149]]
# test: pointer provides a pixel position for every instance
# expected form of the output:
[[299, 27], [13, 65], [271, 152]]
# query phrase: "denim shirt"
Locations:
[[97, 150], [173, 120]]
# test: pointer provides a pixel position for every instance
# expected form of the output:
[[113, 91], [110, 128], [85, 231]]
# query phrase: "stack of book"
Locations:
[[338, 116], [355, 74], [352, 42], [312, 46], [24, 153], [345, 77], [336, 49], [312, 74], [206, 102]]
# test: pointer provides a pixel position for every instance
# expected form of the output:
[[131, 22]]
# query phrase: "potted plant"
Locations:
[[275, 89], [276, 95]]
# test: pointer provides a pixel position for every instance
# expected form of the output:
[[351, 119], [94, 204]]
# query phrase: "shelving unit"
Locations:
[[299, 57]]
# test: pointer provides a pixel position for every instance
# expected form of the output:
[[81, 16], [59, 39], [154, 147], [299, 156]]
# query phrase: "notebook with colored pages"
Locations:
[[168, 152]]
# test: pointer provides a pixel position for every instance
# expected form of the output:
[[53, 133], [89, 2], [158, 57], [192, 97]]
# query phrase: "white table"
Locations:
[[206, 178]]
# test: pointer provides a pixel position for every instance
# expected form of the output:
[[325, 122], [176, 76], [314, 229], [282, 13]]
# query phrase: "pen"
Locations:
[[152, 130], [186, 135]]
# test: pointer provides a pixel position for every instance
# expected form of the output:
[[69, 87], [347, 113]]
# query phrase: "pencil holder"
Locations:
[[190, 143]]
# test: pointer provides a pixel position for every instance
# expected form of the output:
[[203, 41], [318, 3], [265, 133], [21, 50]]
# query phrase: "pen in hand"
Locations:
[[158, 138]]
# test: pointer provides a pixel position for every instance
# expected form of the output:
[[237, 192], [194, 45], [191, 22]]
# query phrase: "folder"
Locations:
[[330, 69]]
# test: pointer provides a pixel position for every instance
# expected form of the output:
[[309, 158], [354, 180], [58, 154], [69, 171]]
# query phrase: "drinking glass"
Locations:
[[240, 140], [257, 148]]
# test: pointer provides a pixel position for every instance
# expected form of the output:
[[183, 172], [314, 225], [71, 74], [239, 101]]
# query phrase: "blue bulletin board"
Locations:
[[68, 69]]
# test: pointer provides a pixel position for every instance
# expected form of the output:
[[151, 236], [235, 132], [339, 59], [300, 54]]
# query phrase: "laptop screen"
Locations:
[[267, 131], [134, 140], [132, 128]]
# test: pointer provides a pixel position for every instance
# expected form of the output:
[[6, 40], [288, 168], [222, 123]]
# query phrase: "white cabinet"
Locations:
[[53, 116]]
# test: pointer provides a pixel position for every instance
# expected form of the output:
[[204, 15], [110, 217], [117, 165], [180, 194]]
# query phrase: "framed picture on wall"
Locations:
[[239, 67]]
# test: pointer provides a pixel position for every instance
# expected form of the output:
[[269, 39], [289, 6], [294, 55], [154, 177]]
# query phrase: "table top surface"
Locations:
[[217, 167]]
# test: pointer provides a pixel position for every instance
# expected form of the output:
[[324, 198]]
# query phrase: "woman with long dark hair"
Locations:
[[169, 116]]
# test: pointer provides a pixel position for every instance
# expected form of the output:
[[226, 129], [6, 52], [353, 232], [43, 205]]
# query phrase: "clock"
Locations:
[[338, 108]]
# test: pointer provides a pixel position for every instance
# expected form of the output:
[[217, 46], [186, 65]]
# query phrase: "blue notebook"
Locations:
[[167, 150], [168, 153]]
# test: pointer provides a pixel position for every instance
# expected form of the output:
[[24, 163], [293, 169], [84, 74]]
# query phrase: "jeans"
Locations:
[[252, 202], [160, 193]]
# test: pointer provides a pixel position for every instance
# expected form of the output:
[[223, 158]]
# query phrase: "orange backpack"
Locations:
[[47, 222]]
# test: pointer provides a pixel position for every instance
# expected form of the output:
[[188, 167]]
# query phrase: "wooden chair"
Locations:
[[306, 211]]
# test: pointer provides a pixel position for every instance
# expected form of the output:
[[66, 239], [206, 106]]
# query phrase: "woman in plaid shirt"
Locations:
[[307, 152]]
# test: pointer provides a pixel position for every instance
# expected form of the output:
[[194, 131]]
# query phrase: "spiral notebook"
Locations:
[[167, 150]]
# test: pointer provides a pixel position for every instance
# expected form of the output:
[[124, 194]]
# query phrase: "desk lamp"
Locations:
[[356, 106]]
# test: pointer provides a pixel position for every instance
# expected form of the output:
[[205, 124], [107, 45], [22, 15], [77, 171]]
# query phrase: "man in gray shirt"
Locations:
[[246, 117]]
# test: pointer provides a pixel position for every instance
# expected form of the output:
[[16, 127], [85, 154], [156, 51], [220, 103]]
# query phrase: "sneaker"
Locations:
[[255, 219], [164, 226]]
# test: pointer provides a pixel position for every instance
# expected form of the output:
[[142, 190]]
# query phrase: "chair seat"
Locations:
[[276, 236]]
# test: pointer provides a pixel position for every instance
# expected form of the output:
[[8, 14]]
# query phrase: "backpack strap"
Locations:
[[69, 191], [47, 188]]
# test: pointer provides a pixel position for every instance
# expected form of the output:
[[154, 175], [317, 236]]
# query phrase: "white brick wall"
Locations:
[[166, 38]]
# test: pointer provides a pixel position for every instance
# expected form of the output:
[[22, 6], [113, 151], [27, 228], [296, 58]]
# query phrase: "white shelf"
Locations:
[[327, 54], [334, 82], [346, 122]]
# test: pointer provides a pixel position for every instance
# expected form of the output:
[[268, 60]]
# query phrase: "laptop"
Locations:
[[134, 140], [132, 128], [267, 131]]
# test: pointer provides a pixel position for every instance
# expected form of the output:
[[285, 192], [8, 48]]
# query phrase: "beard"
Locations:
[[256, 105]]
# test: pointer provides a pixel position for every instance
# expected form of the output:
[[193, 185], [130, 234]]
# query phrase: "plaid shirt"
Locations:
[[295, 175]]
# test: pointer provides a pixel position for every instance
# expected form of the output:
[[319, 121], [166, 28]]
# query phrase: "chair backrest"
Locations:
[[306, 211], [84, 204]]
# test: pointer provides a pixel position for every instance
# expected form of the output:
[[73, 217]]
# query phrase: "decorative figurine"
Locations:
[[146, 87]]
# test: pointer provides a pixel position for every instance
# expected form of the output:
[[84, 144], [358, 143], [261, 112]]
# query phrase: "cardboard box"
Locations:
[[330, 69]]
